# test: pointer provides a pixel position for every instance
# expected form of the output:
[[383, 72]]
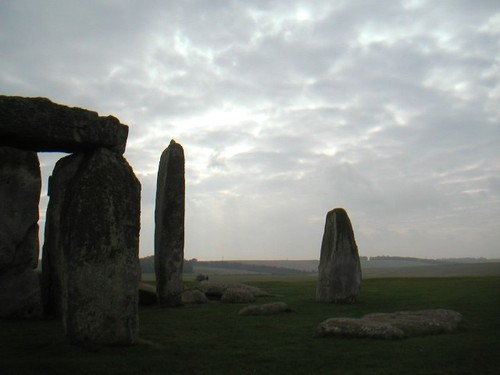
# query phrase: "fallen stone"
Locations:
[[100, 240], [358, 328], [37, 124], [272, 308], [215, 290], [169, 226], [212, 290], [339, 276], [237, 295], [193, 296], [20, 183], [396, 325], [422, 322]]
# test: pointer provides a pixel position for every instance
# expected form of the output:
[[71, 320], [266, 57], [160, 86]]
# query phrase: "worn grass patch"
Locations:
[[214, 339]]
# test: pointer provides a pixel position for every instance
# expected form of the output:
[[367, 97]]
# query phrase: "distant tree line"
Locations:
[[421, 260]]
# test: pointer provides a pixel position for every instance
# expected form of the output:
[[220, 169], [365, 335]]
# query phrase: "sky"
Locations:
[[286, 110]]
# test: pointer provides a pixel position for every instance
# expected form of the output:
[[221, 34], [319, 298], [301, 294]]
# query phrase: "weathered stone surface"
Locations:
[[237, 295], [63, 174], [37, 124], [169, 226], [272, 308], [358, 328], [215, 290], [422, 322], [100, 239], [19, 196], [339, 276], [20, 294], [194, 296], [392, 325]]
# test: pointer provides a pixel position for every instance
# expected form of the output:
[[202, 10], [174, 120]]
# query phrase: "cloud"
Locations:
[[287, 110]]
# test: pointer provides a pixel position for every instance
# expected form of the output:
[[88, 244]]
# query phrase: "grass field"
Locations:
[[214, 339]]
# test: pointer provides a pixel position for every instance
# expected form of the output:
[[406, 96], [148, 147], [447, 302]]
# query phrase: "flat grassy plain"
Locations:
[[214, 339]]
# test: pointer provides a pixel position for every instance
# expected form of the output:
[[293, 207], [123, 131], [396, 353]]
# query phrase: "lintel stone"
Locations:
[[37, 124]]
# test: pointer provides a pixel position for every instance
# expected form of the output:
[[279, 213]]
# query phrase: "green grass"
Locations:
[[214, 339]]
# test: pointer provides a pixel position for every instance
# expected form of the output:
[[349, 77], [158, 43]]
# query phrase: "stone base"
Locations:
[[20, 295]]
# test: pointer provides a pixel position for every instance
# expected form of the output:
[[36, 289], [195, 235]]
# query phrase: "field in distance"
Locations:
[[381, 266]]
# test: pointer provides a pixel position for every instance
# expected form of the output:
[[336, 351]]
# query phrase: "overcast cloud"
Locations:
[[286, 110]]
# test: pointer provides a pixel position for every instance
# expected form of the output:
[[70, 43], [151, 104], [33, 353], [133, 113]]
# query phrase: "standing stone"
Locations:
[[169, 226], [339, 277], [100, 240], [63, 173], [19, 196]]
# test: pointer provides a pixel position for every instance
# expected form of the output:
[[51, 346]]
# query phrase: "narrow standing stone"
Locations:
[[169, 226], [63, 173], [19, 196], [100, 239], [339, 276]]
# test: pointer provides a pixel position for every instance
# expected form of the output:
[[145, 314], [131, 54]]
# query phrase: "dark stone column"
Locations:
[[339, 276], [19, 197], [100, 239], [63, 173], [169, 225]]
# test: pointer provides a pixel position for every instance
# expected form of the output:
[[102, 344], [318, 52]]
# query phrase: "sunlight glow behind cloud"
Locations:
[[285, 111]]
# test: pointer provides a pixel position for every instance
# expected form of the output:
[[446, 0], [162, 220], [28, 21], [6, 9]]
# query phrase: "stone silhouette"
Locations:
[[19, 196], [90, 266], [100, 240], [37, 124], [169, 225], [339, 276], [64, 172]]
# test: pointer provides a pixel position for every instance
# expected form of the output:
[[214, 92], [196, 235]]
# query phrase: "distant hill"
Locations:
[[236, 267], [436, 270], [248, 267], [378, 266], [148, 265]]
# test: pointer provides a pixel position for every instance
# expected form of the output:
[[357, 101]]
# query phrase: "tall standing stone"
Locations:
[[64, 172], [100, 240], [339, 277], [169, 225], [19, 196]]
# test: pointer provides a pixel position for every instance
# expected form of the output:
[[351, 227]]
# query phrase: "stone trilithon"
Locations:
[[90, 266]]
